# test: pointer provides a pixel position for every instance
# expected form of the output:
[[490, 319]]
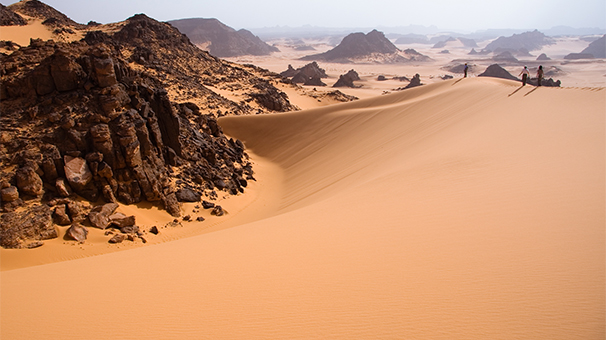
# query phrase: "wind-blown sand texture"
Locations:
[[464, 209]]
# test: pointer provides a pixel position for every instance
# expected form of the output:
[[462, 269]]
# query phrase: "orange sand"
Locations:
[[464, 209]]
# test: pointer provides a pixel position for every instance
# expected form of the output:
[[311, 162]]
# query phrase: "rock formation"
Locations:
[[10, 18], [221, 40], [529, 41], [305, 74], [497, 71], [373, 47], [347, 80], [79, 119], [596, 49], [542, 57]]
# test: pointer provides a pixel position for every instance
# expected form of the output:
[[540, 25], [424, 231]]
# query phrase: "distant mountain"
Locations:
[[372, 47], [221, 40], [528, 40], [37, 9], [464, 42], [597, 48]]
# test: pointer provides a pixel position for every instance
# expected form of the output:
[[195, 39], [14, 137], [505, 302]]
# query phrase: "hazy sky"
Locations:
[[469, 15]]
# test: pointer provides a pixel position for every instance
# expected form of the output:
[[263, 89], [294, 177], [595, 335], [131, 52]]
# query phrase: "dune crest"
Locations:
[[468, 209]]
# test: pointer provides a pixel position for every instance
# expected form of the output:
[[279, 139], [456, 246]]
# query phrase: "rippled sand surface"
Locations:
[[470, 209]]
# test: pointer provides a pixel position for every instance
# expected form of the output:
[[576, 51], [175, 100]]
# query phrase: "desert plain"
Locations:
[[466, 208]]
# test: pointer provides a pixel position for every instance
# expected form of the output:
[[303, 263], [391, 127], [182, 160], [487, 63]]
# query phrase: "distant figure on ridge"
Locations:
[[465, 70], [525, 73], [539, 75]]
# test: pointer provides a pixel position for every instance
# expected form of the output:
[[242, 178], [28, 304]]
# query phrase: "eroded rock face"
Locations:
[[33, 224], [98, 129]]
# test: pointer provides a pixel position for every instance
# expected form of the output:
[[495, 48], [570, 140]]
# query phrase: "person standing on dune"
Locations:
[[525, 73], [465, 70], [539, 75]]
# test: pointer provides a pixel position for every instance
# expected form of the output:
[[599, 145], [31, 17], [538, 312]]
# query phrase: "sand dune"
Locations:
[[465, 209]]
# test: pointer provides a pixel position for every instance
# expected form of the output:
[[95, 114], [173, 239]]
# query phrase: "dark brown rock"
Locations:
[[62, 187], [120, 220], [207, 205], [60, 215], [77, 232], [218, 211], [171, 204], [10, 194], [77, 211], [34, 223], [29, 182], [118, 238], [188, 195], [154, 230], [99, 216], [77, 172], [131, 229]]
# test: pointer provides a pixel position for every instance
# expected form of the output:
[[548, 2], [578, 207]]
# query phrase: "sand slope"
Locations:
[[468, 209]]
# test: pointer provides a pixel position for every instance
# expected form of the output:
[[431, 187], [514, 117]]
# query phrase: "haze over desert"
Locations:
[[214, 184]]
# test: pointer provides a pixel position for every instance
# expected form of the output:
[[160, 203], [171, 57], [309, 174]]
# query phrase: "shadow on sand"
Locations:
[[531, 91], [457, 81], [514, 92]]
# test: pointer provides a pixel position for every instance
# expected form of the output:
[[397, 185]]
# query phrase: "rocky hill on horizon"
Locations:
[[372, 47], [126, 114], [221, 40], [523, 42]]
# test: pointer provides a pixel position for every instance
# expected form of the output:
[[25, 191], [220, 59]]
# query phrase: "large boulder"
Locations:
[[29, 182], [99, 216], [77, 172], [77, 232]]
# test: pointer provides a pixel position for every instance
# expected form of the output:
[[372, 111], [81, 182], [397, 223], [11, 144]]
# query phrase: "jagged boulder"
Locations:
[[77, 232], [99, 216], [77, 172], [29, 182]]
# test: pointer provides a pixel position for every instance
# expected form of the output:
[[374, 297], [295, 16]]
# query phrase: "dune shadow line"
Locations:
[[457, 81], [514, 92], [531, 91]]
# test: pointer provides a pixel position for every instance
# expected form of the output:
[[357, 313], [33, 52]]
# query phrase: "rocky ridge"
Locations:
[[93, 121], [221, 40], [372, 47]]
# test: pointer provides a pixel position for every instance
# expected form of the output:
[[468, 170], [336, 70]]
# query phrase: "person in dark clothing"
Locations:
[[465, 70], [525, 73], [539, 75]]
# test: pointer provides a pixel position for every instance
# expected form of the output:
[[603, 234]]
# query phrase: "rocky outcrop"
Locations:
[[78, 120], [50, 16], [347, 79], [505, 56], [497, 71], [529, 41], [597, 48], [221, 40], [10, 18], [35, 223], [414, 82], [305, 74], [373, 47]]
